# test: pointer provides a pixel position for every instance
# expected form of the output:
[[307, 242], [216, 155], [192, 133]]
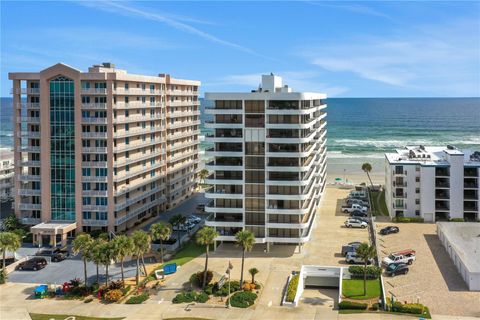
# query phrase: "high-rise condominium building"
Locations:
[[6, 175], [101, 149], [268, 162], [433, 183]]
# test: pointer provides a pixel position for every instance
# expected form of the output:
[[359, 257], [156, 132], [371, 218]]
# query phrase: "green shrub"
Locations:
[[126, 290], [234, 286], [113, 295], [191, 296], [292, 288], [375, 306], [137, 299], [373, 272], [115, 285], [200, 277], [407, 220], [242, 299], [3, 277], [209, 289], [457, 220], [413, 308], [350, 305], [257, 286]]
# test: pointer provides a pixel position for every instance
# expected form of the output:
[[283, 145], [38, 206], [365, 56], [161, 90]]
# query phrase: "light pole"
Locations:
[[230, 267]]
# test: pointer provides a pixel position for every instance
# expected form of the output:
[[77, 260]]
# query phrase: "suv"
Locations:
[[389, 229], [34, 264], [56, 255], [355, 223], [357, 213], [357, 201], [352, 258], [405, 256], [396, 268], [350, 247]]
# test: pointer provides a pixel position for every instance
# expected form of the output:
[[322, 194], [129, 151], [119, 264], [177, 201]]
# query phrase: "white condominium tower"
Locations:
[[433, 183], [268, 162], [101, 150]]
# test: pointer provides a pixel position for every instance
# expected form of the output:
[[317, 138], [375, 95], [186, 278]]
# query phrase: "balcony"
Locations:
[[470, 206], [94, 149], [29, 192], [400, 195], [94, 223], [442, 194], [94, 106], [29, 119], [442, 172], [470, 183], [29, 105], [224, 220], [400, 184], [95, 120], [94, 91], [442, 205], [29, 206], [29, 177], [470, 172], [470, 194], [26, 91], [442, 183], [96, 135]]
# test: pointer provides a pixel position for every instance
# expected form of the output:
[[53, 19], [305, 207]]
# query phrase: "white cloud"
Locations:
[[423, 59], [298, 80]]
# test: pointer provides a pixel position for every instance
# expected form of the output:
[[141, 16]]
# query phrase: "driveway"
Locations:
[[433, 278]]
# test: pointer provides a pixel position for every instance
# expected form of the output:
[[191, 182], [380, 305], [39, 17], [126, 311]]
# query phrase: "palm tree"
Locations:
[[367, 168], [246, 240], [122, 247], [203, 175], [253, 272], [96, 254], [106, 256], [177, 220], [160, 231], [83, 244], [142, 244], [205, 237], [9, 241], [11, 223], [365, 252]]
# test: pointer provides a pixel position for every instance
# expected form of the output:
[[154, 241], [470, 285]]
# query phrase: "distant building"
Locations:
[[462, 242], [101, 150], [435, 183], [269, 164], [6, 175]]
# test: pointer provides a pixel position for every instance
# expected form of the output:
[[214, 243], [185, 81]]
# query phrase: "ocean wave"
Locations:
[[341, 155], [398, 143]]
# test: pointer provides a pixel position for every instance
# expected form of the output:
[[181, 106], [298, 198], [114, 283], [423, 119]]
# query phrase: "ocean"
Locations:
[[363, 129]]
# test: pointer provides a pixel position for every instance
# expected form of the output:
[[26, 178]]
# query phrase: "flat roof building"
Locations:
[[269, 162], [434, 183], [462, 242], [102, 149]]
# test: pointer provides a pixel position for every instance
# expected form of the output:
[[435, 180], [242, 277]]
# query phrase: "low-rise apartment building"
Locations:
[[434, 183], [6, 175], [102, 149], [269, 162]]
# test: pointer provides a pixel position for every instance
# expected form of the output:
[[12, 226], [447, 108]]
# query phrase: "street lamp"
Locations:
[[230, 267]]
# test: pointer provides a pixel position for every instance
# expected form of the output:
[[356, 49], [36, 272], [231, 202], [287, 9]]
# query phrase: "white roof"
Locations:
[[464, 237], [428, 155]]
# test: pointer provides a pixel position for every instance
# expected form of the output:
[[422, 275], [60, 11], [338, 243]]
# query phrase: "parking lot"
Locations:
[[432, 278]]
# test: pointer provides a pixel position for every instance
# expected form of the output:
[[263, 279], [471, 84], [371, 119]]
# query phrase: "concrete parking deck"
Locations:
[[433, 277]]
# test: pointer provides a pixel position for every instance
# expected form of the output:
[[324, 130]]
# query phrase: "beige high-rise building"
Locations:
[[101, 150]]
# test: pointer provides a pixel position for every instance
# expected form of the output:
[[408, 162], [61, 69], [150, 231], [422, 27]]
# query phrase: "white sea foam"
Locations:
[[397, 143]]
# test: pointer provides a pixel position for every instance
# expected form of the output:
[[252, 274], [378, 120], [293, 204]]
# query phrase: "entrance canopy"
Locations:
[[51, 233]]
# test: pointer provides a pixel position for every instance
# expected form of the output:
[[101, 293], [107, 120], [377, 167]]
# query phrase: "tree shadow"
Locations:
[[338, 208], [448, 270]]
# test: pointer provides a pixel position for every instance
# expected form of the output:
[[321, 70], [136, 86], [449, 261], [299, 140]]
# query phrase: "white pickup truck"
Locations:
[[354, 207], [404, 256]]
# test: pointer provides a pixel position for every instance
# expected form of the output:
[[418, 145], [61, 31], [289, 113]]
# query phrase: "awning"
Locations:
[[53, 228]]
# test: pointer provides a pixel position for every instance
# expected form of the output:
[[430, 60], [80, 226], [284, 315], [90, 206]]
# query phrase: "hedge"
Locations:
[[457, 220], [138, 299], [197, 278], [350, 305], [373, 272], [191, 296], [407, 220], [292, 288], [243, 299], [234, 286], [414, 308]]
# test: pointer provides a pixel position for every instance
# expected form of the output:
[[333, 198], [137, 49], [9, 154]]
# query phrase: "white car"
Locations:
[[352, 258], [355, 223]]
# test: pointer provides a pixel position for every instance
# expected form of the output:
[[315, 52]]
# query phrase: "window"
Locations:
[[101, 201], [417, 201], [417, 212], [86, 201], [254, 106], [417, 179], [86, 172], [86, 186], [417, 190], [101, 216], [87, 215]]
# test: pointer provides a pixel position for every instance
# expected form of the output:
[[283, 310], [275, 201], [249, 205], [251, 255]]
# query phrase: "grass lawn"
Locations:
[[379, 206], [353, 289], [38, 316]]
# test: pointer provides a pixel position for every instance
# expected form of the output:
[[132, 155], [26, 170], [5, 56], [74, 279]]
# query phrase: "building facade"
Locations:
[[434, 183], [101, 149], [6, 175], [268, 165]]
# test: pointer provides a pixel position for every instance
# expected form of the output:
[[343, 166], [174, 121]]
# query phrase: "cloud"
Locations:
[[169, 20], [423, 59], [299, 80]]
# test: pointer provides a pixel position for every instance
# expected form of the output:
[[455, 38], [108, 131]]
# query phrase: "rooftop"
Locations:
[[431, 155], [464, 237]]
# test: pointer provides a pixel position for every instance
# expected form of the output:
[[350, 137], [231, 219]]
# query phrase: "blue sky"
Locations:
[[346, 49]]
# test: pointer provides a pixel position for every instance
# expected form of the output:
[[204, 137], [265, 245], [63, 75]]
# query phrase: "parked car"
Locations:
[[194, 219], [354, 207], [389, 229], [352, 258], [56, 255], [350, 247], [396, 268], [404, 256], [358, 213], [34, 264], [355, 223], [357, 201]]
